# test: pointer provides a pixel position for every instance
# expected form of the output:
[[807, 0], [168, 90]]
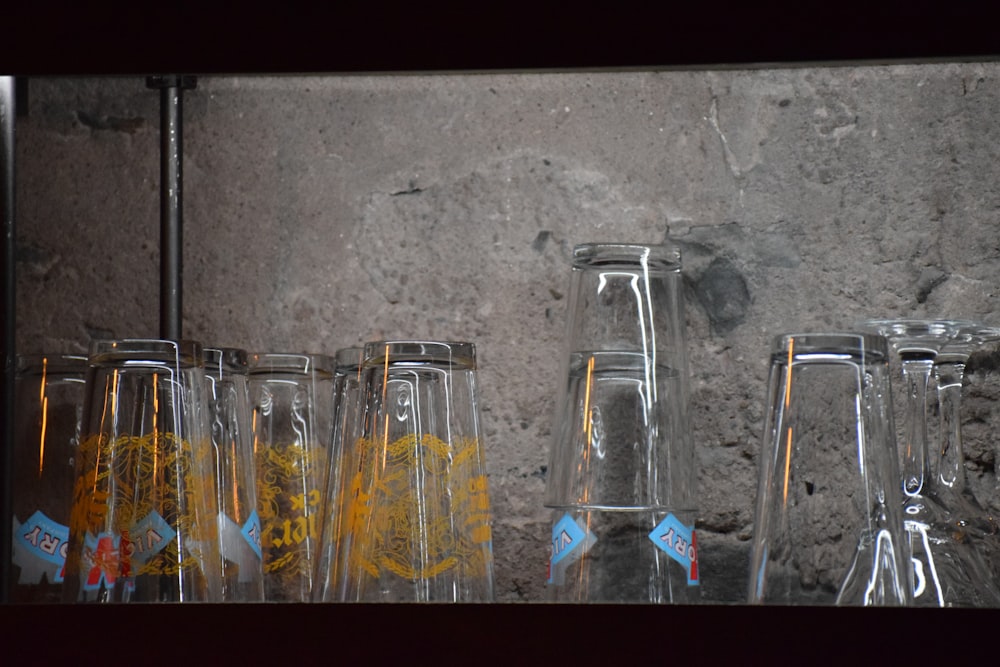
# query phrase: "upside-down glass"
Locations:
[[48, 396], [622, 471], [914, 344], [949, 374], [976, 526], [292, 414], [226, 371], [346, 410], [828, 526], [953, 542], [144, 524], [416, 499]]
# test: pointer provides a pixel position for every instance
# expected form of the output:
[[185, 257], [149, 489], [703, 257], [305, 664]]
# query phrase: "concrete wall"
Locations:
[[321, 212]]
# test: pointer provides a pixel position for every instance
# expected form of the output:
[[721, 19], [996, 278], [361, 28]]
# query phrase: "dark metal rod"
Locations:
[[7, 121], [171, 199], [171, 222]]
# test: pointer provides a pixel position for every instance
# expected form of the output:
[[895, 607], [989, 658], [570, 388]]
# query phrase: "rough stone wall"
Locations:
[[321, 212]]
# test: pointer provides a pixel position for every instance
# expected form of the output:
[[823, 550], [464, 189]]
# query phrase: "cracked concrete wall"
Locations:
[[324, 211]]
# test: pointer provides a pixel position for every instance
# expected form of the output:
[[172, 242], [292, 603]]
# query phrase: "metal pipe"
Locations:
[[7, 121], [171, 200]]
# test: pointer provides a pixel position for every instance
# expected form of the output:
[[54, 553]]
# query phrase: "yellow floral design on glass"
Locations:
[[410, 538], [156, 472]]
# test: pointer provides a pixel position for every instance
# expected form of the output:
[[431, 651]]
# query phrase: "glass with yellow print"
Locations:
[[292, 423], [143, 526], [417, 524]]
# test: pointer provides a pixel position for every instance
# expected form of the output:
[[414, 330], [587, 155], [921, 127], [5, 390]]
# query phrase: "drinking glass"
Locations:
[[48, 394], [952, 540], [292, 419], [828, 527], [914, 344], [227, 373], [346, 410], [949, 373], [144, 523], [622, 471], [417, 509]]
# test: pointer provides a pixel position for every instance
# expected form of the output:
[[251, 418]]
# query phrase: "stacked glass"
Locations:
[[622, 469]]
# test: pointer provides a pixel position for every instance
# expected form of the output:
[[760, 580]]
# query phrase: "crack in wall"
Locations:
[[731, 162]]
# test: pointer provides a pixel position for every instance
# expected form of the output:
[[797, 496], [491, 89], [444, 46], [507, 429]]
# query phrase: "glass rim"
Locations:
[[903, 327], [662, 257], [349, 358], [221, 360], [977, 333], [832, 343], [300, 363], [914, 336], [402, 351], [146, 351], [58, 363]]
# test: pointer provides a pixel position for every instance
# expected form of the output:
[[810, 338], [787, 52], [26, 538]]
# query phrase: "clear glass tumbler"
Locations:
[[227, 373], [828, 525], [347, 412], [292, 418], [417, 522], [622, 475], [144, 523], [48, 392]]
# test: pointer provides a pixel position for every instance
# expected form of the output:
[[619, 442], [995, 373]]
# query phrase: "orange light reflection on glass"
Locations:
[[588, 423], [253, 430], [156, 412], [788, 400], [114, 394], [44, 400], [583, 575], [233, 453]]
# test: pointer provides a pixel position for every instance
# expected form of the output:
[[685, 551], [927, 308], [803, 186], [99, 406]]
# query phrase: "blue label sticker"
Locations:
[[45, 538], [251, 532], [41, 539], [149, 537], [570, 541], [566, 536], [680, 543]]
